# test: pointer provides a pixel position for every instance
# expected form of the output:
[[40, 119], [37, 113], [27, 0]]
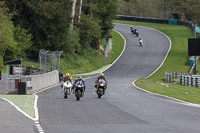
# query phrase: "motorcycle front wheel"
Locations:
[[78, 95]]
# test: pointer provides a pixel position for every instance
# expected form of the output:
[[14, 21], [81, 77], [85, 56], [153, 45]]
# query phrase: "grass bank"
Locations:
[[177, 61], [24, 102], [91, 60]]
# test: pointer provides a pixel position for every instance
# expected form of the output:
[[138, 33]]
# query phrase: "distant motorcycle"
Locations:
[[101, 85], [141, 42], [135, 31], [67, 88]]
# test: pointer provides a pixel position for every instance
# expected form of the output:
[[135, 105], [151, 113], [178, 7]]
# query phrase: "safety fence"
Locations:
[[49, 60]]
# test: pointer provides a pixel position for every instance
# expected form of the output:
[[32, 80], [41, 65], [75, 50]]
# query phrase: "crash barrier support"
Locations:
[[36, 83], [192, 63]]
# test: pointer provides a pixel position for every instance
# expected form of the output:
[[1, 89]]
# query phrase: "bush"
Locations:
[[90, 31]]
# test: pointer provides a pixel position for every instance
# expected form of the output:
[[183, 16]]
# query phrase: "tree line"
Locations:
[[72, 26], [189, 9], [64, 25]]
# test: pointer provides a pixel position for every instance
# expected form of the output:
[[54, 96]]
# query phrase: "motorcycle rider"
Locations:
[[80, 80], [102, 77], [132, 29], [140, 41], [136, 31], [67, 77]]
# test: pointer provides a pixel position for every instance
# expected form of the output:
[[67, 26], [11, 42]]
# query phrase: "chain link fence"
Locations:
[[49, 61]]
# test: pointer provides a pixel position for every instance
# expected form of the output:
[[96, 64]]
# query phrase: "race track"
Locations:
[[124, 108]]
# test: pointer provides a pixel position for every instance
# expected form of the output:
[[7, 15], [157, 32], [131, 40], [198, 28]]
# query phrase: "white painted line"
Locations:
[[112, 63], [178, 100], [28, 116], [120, 53], [36, 108]]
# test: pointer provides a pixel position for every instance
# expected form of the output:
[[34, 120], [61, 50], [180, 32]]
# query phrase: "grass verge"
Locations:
[[24, 102], [177, 61]]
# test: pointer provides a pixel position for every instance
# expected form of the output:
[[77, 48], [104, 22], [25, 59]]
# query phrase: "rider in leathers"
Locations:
[[101, 76], [80, 79]]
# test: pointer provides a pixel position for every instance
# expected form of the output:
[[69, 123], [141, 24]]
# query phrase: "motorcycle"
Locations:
[[141, 42], [135, 31], [79, 91], [101, 85], [67, 88]]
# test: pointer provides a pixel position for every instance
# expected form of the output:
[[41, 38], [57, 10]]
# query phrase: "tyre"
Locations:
[[78, 95]]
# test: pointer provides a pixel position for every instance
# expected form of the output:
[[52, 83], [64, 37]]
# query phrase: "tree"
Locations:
[[72, 13], [13, 40], [79, 11]]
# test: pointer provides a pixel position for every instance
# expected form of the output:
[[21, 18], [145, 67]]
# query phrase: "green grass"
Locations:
[[177, 61], [24, 102], [186, 93], [92, 60]]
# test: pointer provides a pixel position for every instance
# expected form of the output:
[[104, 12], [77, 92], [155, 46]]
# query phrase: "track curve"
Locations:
[[124, 108]]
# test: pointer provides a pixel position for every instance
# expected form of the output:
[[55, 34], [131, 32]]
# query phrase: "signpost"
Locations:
[[194, 50]]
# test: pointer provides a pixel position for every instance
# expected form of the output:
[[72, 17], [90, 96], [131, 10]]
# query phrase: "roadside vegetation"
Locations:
[[26, 103], [177, 61]]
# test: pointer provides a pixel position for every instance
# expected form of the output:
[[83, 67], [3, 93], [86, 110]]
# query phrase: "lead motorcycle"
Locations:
[[67, 88], [101, 86], [79, 90]]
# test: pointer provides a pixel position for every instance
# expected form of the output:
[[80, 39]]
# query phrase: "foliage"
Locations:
[[14, 41], [91, 60], [8, 45], [90, 31], [46, 20], [73, 39], [161, 8], [189, 8], [23, 40]]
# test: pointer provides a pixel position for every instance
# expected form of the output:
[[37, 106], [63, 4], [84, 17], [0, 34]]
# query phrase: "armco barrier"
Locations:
[[36, 83], [142, 19]]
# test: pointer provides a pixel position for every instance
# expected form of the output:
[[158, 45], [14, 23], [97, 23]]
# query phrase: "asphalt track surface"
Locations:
[[124, 108]]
